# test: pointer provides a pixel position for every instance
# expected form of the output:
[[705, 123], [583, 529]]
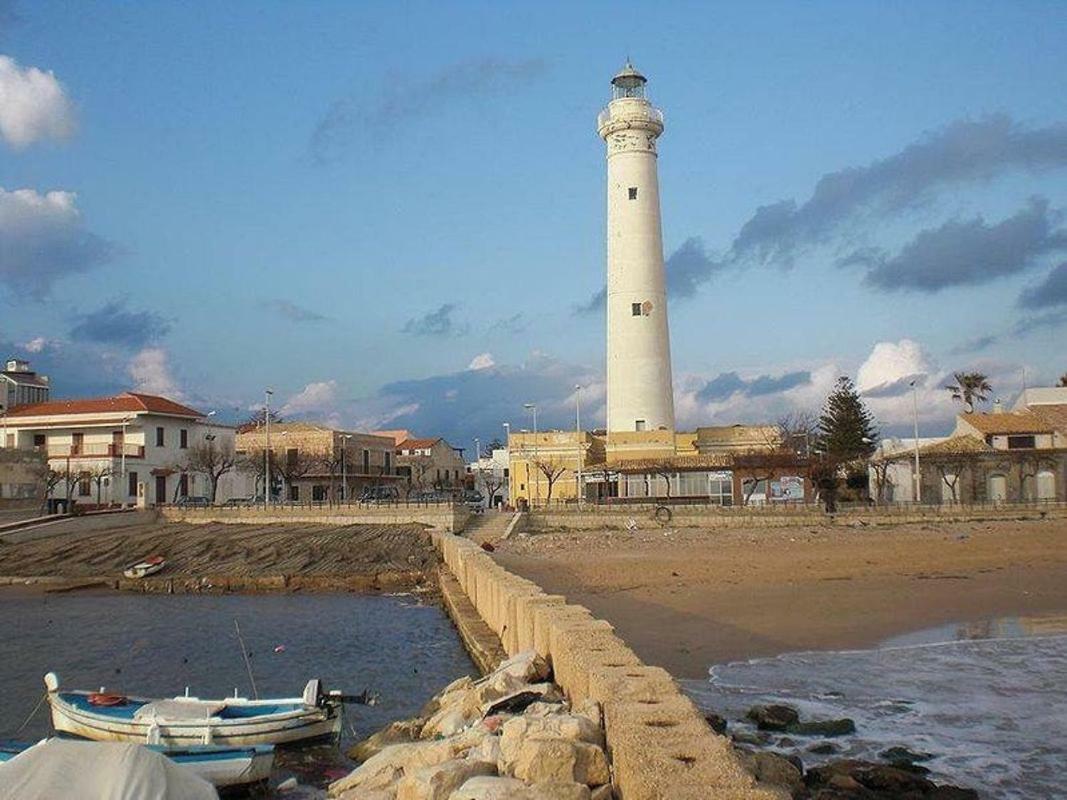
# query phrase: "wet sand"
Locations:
[[233, 557], [690, 598]]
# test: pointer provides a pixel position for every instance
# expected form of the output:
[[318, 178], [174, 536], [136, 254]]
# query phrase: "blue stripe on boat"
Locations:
[[127, 711]]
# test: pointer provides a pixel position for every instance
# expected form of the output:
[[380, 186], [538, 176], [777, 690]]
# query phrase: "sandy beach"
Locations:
[[690, 598]]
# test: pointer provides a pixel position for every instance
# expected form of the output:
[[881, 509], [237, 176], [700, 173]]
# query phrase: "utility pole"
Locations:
[[344, 465], [578, 438], [915, 419], [537, 478], [266, 450]]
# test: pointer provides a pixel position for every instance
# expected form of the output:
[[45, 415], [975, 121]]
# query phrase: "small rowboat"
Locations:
[[145, 567], [188, 721], [223, 766]]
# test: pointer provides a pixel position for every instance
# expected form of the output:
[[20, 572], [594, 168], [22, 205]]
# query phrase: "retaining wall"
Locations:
[[703, 516], [444, 517], [661, 748]]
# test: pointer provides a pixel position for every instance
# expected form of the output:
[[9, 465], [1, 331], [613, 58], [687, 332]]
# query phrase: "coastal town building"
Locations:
[[20, 385], [429, 464], [23, 477], [490, 475], [129, 448], [311, 462], [1002, 456]]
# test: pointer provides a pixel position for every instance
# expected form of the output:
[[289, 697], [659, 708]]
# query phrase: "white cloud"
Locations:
[[891, 366], [35, 345], [482, 361], [150, 373], [44, 240], [318, 398], [33, 105]]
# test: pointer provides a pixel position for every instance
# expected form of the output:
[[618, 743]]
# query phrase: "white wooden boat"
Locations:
[[145, 567], [223, 766], [186, 721]]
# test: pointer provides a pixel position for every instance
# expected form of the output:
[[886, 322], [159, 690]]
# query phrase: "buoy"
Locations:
[[280, 648]]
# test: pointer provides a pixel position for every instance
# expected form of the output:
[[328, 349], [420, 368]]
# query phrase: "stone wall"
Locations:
[[660, 745], [703, 516], [444, 516]]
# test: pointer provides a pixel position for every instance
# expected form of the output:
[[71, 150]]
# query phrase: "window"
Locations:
[[10, 440], [183, 438], [131, 488], [366, 462], [159, 437], [77, 440], [1021, 443], [294, 492], [38, 440], [388, 461], [318, 492], [635, 309], [633, 192], [639, 425], [183, 484], [85, 485]]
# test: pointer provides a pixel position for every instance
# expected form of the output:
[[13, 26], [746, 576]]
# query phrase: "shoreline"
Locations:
[[690, 599]]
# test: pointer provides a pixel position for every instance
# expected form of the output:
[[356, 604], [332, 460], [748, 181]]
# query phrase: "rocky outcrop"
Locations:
[[508, 735]]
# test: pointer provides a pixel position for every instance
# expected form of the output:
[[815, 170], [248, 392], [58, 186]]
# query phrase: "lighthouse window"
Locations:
[[633, 192], [635, 309]]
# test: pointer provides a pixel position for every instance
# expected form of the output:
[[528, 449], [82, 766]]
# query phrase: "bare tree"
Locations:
[[296, 464], [211, 458], [949, 467], [253, 461], [665, 470], [419, 467], [98, 476], [490, 480], [797, 430], [1030, 464], [552, 470], [881, 469]]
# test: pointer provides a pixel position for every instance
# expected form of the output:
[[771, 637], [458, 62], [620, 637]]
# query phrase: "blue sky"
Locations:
[[353, 204]]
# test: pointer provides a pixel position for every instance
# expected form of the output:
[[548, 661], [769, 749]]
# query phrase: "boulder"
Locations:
[[602, 793], [880, 779], [543, 709], [405, 730], [826, 727], [563, 726], [556, 790], [823, 749], [775, 770], [773, 717], [437, 782], [458, 686], [527, 666], [489, 789], [369, 794], [387, 767], [541, 758], [591, 710], [898, 756], [717, 722], [486, 750]]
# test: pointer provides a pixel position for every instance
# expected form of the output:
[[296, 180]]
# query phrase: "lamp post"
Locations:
[[344, 465], [537, 485], [122, 456], [266, 450], [578, 439], [915, 419]]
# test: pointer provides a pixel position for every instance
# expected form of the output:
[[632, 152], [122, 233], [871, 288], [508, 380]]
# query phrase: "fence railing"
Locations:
[[625, 505]]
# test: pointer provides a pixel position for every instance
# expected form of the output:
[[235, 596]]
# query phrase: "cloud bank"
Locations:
[[438, 323], [33, 104], [113, 324]]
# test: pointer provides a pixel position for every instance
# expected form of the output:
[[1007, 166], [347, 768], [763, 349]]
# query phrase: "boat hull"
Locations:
[[292, 727]]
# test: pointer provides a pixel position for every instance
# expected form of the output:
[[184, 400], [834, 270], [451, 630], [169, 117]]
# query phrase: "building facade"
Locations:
[[316, 463], [121, 450], [21, 386], [491, 476], [430, 465]]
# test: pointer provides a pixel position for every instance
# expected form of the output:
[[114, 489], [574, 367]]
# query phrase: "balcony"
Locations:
[[100, 450], [630, 112]]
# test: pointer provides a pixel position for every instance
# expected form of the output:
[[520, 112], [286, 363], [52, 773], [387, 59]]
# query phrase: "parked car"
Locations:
[[474, 499], [193, 501], [380, 494], [240, 502]]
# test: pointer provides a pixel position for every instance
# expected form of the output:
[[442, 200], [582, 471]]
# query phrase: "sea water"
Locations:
[[987, 701], [401, 651]]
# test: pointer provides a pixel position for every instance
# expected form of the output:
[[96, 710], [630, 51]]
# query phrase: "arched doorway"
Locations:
[[1046, 485], [998, 488]]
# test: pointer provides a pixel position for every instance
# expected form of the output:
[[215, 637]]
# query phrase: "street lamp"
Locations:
[[915, 419], [537, 485], [122, 456], [578, 438], [266, 450], [344, 465]]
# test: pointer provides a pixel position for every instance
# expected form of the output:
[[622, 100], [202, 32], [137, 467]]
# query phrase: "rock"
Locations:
[[826, 727], [556, 790], [902, 755], [952, 793], [542, 709], [406, 730], [785, 741], [437, 782], [847, 774], [716, 721], [514, 703], [755, 739], [445, 696], [591, 710], [602, 793], [489, 789], [448, 721], [541, 758], [563, 726], [393, 762], [527, 666], [369, 794], [773, 717], [776, 770], [486, 750], [823, 748]]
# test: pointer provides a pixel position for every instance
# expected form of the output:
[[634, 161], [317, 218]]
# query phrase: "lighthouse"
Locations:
[[639, 393]]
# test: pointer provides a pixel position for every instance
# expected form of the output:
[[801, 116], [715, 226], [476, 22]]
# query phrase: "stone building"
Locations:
[[430, 464], [311, 462]]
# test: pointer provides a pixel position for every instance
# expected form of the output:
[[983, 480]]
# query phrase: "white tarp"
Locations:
[[64, 768], [178, 710]]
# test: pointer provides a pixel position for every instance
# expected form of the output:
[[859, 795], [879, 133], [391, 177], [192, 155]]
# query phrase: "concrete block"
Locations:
[[526, 608]]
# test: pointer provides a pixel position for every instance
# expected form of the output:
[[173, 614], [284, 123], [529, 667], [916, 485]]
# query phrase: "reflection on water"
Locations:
[[988, 700], [157, 645]]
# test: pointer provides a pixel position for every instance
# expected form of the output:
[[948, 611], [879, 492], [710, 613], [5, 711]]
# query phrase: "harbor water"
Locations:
[[986, 701], [396, 648]]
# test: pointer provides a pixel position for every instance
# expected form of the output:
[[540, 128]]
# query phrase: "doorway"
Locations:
[[161, 489]]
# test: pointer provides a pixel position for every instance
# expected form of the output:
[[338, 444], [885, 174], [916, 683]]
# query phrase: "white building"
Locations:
[[115, 450], [639, 389], [20, 385], [492, 476]]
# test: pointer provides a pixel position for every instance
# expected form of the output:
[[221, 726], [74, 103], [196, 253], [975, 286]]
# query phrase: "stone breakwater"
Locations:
[[658, 743], [508, 735]]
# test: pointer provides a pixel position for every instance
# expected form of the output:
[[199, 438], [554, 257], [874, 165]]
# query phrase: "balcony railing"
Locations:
[[101, 450], [630, 112]]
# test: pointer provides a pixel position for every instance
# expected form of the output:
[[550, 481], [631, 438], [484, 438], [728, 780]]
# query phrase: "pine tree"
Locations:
[[846, 423]]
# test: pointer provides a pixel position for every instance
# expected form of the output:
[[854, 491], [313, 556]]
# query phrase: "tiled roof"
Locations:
[[134, 402], [1054, 415], [1007, 422], [417, 444], [955, 445]]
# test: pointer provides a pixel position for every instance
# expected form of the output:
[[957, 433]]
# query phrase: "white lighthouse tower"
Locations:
[[639, 389]]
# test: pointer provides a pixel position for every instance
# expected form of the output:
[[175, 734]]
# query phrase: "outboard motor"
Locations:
[[313, 693]]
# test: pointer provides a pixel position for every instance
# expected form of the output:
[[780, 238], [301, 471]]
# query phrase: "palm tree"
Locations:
[[970, 387]]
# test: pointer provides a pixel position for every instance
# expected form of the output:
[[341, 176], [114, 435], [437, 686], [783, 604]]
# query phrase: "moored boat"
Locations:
[[145, 567], [225, 767], [188, 721]]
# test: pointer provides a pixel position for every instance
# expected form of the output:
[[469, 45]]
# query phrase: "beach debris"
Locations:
[[631, 524], [488, 547], [280, 648]]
